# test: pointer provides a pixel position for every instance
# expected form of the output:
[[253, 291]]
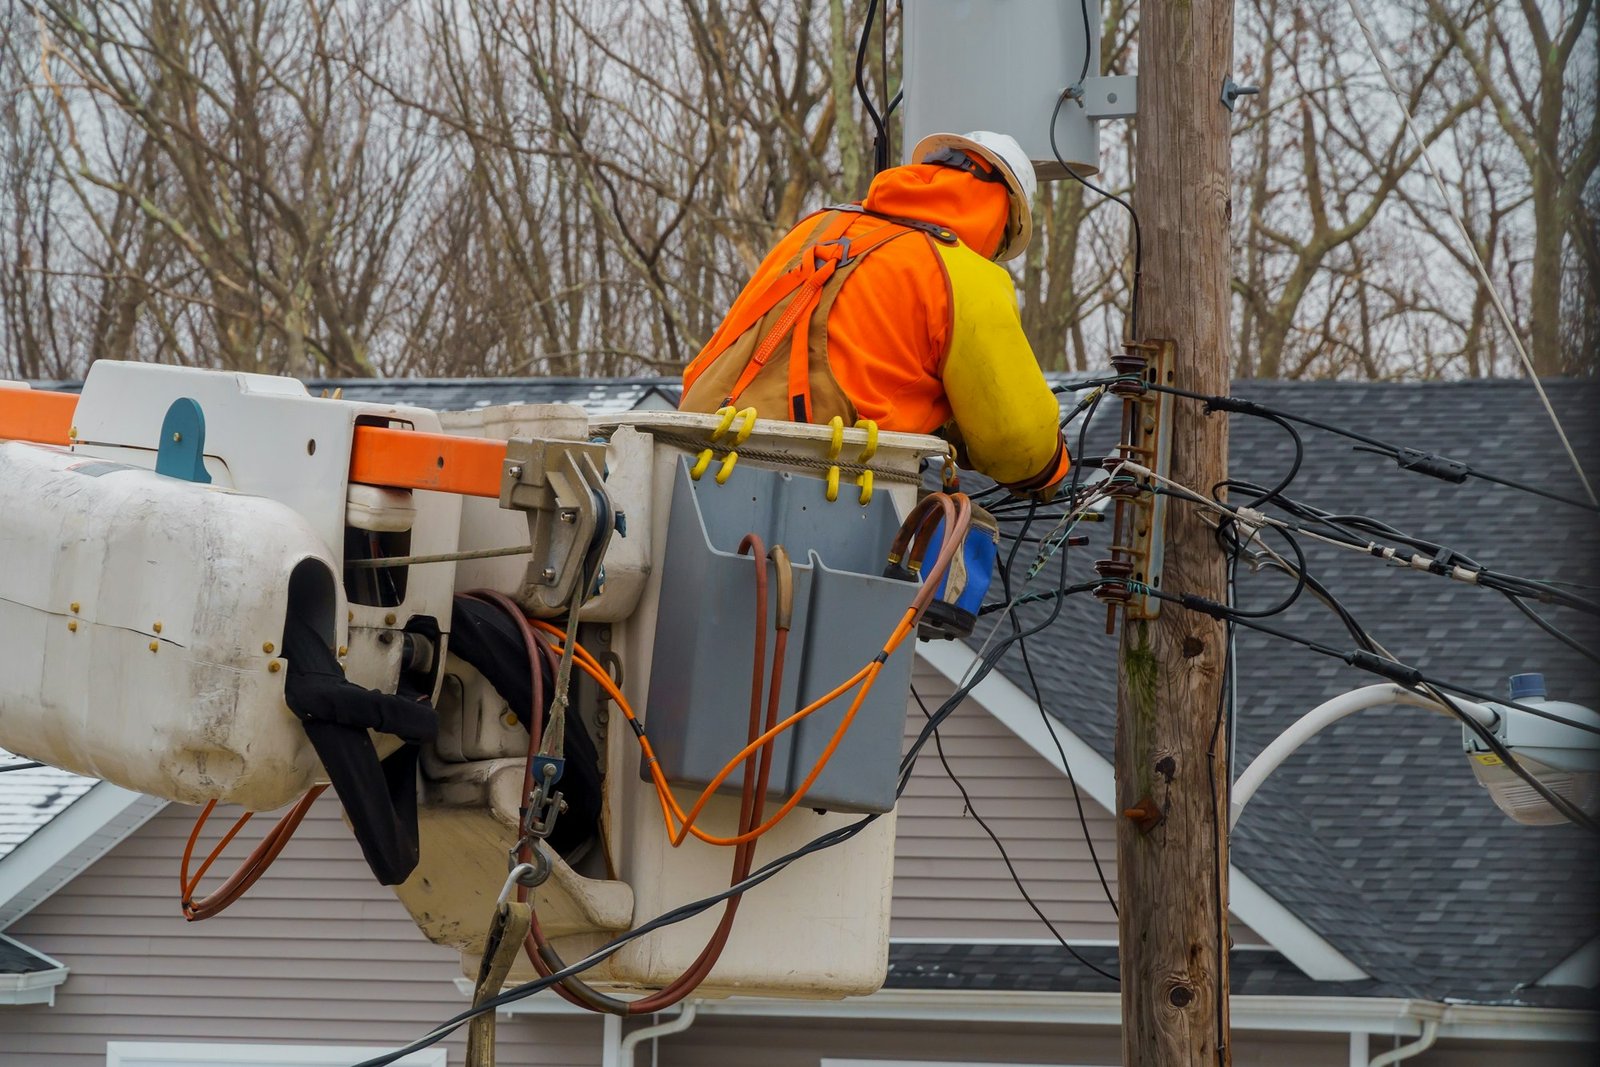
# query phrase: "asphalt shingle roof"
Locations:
[[19, 959], [30, 798], [1377, 834], [1051, 968]]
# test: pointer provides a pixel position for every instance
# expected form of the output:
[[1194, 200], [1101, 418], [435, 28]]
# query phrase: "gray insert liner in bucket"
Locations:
[[698, 709]]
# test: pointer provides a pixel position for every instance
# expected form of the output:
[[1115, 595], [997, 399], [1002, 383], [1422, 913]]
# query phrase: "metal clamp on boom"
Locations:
[[561, 487]]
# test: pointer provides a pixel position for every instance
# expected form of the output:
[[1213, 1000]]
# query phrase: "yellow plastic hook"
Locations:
[[700, 464], [871, 447], [727, 467], [864, 480], [749, 417], [836, 424]]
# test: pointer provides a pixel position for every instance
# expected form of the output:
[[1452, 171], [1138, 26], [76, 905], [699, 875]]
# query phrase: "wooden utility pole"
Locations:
[[1171, 752]]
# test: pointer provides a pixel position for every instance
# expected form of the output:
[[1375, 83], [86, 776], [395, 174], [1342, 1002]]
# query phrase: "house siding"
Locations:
[[316, 953], [949, 881]]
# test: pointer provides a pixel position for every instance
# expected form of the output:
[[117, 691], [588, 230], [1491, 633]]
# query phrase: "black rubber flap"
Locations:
[[380, 796]]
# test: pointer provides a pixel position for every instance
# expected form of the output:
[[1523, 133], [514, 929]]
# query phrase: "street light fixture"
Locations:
[[1562, 751]]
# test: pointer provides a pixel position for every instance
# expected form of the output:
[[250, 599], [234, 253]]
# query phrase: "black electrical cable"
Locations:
[[1088, 45], [1039, 598], [1443, 563], [30, 765], [880, 143], [1431, 464], [1552, 629], [1005, 857], [1138, 241], [1221, 805], [686, 911], [676, 915], [1089, 405], [979, 672], [1264, 495], [1072, 781], [1365, 660], [1414, 679]]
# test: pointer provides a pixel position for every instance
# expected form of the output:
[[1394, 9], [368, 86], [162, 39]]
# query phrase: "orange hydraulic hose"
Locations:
[[538, 947], [250, 870], [957, 514]]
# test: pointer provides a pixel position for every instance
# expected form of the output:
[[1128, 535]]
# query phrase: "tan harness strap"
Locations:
[[804, 284]]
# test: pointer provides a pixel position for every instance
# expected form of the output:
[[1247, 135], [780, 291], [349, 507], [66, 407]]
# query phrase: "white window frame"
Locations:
[[216, 1054]]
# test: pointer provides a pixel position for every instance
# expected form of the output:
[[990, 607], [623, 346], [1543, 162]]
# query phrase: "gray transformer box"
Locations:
[[698, 710], [1000, 65]]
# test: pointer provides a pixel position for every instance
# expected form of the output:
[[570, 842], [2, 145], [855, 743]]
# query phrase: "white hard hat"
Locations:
[[1006, 156]]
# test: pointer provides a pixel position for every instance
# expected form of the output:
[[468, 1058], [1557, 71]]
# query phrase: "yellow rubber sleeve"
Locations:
[[1002, 405]]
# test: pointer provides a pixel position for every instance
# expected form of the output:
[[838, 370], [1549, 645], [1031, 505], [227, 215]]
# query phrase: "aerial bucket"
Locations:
[[688, 680]]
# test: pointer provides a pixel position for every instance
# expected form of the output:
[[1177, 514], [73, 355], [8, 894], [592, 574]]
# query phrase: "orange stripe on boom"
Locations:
[[39, 415], [406, 459]]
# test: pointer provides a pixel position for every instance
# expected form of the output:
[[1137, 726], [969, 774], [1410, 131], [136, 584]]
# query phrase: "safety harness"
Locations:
[[784, 310]]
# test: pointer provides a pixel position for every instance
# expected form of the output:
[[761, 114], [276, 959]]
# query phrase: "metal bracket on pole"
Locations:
[[1232, 91], [570, 518], [1138, 535]]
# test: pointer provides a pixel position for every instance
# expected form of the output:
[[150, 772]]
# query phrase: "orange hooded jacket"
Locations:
[[921, 333]]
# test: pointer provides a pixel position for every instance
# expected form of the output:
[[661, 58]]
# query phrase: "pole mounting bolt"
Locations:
[[1146, 815], [1232, 91]]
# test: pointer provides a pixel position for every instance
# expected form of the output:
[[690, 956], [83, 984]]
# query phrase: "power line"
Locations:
[[828, 840], [1133, 216], [1552, 629], [1005, 857], [1414, 459], [1472, 248]]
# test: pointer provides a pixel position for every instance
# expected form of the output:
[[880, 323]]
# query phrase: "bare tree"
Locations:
[[1306, 285], [1526, 59], [580, 187], [249, 161]]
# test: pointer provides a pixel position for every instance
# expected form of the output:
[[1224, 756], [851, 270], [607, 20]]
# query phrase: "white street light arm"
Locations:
[[1324, 715]]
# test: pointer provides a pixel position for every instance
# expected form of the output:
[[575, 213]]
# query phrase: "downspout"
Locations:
[[685, 1019], [1430, 1034], [611, 1041]]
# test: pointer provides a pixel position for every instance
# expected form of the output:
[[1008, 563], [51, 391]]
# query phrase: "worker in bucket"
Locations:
[[896, 309]]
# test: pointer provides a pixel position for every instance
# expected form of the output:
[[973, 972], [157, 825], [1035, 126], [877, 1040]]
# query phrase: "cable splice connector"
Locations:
[[1235, 404], [1403, 673], [1205, 606], [1435, 466]]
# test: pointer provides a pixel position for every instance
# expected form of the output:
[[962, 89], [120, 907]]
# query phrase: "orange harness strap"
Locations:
[[805, 280]]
